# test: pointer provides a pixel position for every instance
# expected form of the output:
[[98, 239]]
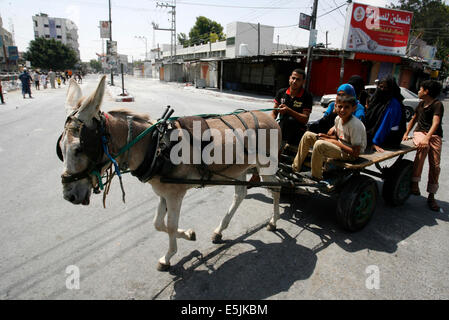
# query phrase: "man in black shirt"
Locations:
[[294, 104]]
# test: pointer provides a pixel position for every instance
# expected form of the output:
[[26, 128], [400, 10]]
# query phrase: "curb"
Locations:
[[115, 93], [125, 99]]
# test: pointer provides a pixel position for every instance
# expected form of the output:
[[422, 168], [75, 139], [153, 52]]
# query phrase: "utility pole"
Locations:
[[173, 26], [326, 38], [110, 41], [258, 39], [310, 50]]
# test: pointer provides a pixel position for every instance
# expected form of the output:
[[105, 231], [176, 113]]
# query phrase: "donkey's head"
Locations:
[[79, 146]]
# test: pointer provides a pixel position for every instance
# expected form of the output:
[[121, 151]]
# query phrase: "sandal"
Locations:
[[433, 205]]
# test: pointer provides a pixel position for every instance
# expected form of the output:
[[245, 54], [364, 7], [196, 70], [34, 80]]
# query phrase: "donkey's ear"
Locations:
[[91, 106], [74, 94]]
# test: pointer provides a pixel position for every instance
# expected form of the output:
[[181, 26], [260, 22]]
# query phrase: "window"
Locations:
[[230, 41], [47, 36], [59, 37], [58, 27], [35, 23], [45, 25]]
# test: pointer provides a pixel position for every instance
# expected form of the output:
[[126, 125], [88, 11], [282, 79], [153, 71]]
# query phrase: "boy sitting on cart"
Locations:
[[344, 141]]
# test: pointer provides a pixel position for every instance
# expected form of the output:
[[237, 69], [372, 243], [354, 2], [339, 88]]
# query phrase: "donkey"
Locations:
[[80, 150]]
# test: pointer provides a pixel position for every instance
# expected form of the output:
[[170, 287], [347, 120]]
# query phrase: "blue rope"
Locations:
[[104, 143]]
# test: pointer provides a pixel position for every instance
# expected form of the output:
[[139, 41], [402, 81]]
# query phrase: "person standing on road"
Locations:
[[44, 80], [1, 92], [428, 137], [26, 80], [36, 78], [52, 78], [294, 106]]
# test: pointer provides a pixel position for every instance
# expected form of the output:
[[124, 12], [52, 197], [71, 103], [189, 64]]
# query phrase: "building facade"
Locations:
[[6, 40], [60, 29]]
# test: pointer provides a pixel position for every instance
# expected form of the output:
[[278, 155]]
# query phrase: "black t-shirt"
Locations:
[[424, 117], [292, 129]]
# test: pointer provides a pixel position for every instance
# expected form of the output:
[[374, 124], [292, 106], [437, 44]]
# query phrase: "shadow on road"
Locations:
[[258, 273], [388, 227]]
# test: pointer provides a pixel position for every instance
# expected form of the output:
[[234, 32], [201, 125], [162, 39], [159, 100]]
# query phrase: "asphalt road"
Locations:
[[45, 241]]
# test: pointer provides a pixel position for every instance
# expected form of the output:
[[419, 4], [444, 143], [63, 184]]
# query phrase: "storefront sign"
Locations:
[[376, 30]]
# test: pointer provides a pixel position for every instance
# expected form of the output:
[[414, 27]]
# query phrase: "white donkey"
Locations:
[[82, 153]]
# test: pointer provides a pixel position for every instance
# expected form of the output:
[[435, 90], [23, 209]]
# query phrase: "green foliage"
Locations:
[[96, 65], [50, 54], [203, 31], [430, 23]]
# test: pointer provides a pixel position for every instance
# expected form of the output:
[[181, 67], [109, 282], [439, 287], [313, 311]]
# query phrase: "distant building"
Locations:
[[242, 39], [5, 42], [60, 29]]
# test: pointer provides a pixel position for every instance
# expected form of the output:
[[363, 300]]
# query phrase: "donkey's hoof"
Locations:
[[271, 227], [217, 238], [192, 235], [163, 267]]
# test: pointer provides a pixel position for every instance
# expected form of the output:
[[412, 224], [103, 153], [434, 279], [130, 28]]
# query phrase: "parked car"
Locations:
[[411, 99]]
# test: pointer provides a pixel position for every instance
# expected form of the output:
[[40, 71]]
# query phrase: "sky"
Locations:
[[133, 18]]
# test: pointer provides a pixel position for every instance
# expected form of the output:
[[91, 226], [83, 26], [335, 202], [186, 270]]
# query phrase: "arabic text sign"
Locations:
[[376, 30]]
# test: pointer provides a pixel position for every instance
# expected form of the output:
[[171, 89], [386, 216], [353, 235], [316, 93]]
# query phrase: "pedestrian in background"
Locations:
[[428, 137], [52, 78], [26, 80], [36, 78], [1, 92], [44, 80]]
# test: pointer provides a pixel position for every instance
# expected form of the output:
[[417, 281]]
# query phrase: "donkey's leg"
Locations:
[[173, 211], [159, 222], [276, 192], [239, 195]]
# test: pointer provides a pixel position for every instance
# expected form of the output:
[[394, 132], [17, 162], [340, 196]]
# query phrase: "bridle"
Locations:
[[91, 144]]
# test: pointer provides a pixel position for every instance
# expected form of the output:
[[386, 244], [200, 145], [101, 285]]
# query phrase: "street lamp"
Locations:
[[146, 45]]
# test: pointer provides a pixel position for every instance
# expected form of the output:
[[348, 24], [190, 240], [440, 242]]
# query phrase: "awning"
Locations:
[[377, 57]]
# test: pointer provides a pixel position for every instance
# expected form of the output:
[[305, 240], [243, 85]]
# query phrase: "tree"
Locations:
[[183, 40], [430, 23], [50, 54], [96, 65], [203, 31]]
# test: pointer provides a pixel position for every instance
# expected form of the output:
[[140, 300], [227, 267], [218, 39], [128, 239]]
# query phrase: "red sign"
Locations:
[[376, 30]]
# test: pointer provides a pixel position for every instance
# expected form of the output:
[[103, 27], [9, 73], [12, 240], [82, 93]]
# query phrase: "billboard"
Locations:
[[376, 30]]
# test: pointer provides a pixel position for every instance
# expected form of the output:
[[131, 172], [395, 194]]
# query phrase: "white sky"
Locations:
[[132, 18]]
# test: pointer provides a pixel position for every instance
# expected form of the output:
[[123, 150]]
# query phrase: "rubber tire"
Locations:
[[359, 193], [409, 112], [396, 189]]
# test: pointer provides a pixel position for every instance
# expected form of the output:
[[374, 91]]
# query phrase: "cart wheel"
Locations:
[[396, 188], [357, 202]]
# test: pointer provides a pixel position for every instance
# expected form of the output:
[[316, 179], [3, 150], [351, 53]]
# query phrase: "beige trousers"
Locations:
[[434, 152], [321, 150]]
